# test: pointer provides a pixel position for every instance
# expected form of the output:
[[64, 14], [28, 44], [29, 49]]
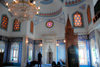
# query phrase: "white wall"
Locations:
[[28, 33], [40, 29], [10, 31], [97, 35], [4, 11], [70, 10], [48, 41], [20, 33], [94, 2], [58, 28]]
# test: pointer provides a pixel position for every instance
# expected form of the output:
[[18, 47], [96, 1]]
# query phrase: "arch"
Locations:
[[16, 25], [31, 26], [4, 22], [77, 19], [89, 14], [30, 52]]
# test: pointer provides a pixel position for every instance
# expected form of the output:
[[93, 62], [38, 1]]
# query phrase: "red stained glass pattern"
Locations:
[[77, 20], [16, 26], [49, 24], [89, 14], [4, 22]]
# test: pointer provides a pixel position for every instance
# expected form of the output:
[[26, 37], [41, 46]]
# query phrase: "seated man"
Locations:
[[53, 64], [32, 63], [58, 64], [62, 62]]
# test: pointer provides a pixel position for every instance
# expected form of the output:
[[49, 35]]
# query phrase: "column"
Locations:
[[97, 47], [24, 52]]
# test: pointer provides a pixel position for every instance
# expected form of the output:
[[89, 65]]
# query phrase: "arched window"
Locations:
[[77, 19], [30, 52], [89, 14], [16, 25], [4, 22], [14, 52], [31, 27]]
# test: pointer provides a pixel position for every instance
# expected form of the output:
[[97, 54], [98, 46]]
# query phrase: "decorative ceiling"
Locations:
[[69, 3], [59, 18], [46, 2], [51, 14], [50, 8]]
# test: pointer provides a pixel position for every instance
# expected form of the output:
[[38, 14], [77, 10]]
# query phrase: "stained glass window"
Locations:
[[4, 22], [89, 14], [16, 26], [31, 27], [78, 20], [49, 24]]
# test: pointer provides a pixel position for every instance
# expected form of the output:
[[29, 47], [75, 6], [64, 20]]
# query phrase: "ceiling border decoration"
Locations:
[[83, 7], [73, 2], [52, 14], [46, 2]]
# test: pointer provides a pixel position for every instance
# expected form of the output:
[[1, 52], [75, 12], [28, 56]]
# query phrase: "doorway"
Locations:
[[49, 56]]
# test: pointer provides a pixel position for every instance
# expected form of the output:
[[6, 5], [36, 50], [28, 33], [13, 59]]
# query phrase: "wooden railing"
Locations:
[[96, 17]]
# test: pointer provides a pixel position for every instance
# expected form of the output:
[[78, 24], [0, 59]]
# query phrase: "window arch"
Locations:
[[16, 25], [4, 22], [31, 27], [77, 18], [89, 14]]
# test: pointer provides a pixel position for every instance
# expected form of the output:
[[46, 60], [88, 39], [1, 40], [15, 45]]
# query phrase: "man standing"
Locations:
[[39, 59]]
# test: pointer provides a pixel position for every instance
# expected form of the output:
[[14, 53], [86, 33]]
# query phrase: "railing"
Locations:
[[97, 16]]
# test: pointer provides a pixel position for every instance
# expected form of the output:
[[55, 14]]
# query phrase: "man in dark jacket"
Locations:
[[39, 59]]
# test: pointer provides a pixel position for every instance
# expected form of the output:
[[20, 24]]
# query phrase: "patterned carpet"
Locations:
[[45, 65]]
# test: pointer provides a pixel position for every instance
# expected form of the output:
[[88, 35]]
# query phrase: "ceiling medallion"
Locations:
[[49, 24], [23, 10]]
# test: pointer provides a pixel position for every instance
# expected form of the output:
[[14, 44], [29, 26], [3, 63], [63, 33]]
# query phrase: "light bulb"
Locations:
[[26, 40], [38, 7], [6, 4], [34, 2], [37, 12], [14, 0], [41, 45], [64, 41], [57, 44], [15, 14], [25, 15], [9, 10]]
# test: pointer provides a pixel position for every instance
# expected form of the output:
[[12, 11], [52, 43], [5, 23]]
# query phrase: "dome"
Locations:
[[50, 8]]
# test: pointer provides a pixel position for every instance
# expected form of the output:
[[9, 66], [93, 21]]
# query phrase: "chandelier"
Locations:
[[23, 10]]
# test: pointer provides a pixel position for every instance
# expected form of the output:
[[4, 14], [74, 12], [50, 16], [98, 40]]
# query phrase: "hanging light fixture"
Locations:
[[23, 10]]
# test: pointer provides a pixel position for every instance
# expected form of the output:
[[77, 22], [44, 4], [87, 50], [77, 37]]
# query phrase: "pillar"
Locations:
[[97, 47], [24, 52]]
